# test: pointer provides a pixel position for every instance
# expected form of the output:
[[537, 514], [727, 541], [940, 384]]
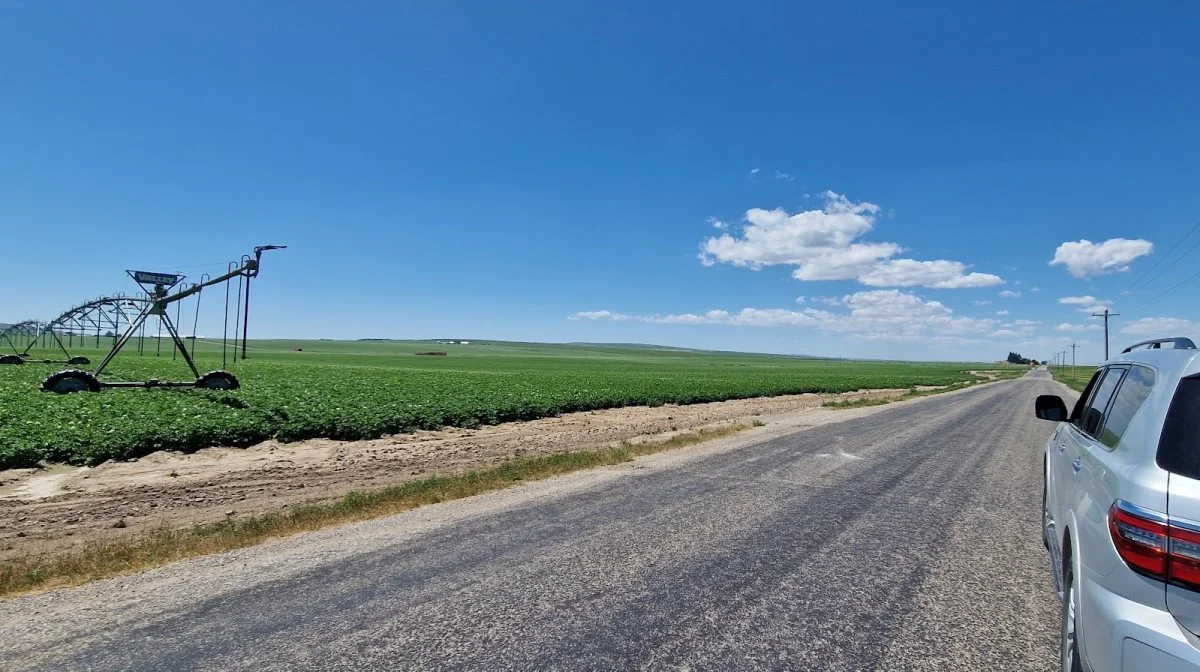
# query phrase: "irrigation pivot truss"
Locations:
[[103, 316], [15, 335], [161, 290]]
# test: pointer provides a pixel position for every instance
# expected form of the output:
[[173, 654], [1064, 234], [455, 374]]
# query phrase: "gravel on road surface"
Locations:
[[906, 539]]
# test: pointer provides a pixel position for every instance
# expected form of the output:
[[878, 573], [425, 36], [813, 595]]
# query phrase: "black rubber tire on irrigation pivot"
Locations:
[[218, 380], [71, 380], [11, 359], [79, 360]]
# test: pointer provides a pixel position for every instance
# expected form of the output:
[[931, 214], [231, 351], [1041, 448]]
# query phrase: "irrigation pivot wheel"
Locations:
[[11, 359], [79, 360], [218, 380], [71, 380]]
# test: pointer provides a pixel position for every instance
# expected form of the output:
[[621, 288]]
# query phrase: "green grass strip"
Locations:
[[1077, 380]]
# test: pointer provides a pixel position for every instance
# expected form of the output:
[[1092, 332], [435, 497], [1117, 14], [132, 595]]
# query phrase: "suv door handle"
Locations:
[[1077, 465]]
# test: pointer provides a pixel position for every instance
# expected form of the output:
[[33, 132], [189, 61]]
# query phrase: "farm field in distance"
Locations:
[[294, 390], [1074, 377]]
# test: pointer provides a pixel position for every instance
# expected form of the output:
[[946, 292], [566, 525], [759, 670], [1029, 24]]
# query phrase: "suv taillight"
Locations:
[[1155, 548]]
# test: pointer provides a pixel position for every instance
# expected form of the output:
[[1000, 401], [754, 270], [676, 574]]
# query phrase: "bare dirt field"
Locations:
[[60, 507]]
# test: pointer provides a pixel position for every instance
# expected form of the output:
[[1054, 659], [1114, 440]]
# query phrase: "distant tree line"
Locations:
[[1016, 358]]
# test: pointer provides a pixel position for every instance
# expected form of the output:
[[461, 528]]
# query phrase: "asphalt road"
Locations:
[[906, 539]]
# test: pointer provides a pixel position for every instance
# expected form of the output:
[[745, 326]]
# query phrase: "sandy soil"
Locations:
[[61, 507]]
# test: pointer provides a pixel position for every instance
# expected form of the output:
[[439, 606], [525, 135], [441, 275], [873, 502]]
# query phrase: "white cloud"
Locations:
[[753, 317], [1035, 289], [1002, 312], [753, 172], [780, 175], [1085, 259], [1067, 326], [1087, 304], [776, 237], [940, 274], [875, 314], [894, 315], [1027, 323], [982, 303], [1164, 327], [716, 223], [824, 244], [800, 299], [1009, 294], [1081, 300], [1003, 333], [598, 315]]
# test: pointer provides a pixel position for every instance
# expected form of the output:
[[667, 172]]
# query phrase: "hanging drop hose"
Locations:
[[178, 308], [225, 326], [237, 315], [196, 319]]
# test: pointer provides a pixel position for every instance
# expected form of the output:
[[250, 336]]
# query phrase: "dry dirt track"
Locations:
[[906, 539]]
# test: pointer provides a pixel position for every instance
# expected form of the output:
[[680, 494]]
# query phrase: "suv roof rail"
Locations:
[[1178, 342]]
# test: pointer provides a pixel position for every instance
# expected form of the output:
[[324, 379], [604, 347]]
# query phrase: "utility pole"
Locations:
[[1073, 346], [1105, 315]]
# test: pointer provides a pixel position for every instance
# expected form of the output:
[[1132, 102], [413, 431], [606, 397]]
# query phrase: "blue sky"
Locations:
[[559, 171]]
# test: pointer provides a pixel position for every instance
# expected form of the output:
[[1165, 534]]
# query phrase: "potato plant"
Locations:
[[357, 391]]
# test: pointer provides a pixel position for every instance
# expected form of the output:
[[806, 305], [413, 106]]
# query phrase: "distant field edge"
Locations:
[[100, 560], [373, 390]]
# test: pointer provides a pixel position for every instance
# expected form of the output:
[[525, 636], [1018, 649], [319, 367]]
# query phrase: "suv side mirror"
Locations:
[[1050, 407]]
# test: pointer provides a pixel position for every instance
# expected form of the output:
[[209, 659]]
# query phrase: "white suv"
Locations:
[[1121, 511]]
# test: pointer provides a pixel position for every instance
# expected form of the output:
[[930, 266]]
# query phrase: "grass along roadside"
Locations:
[[111, 558], [913, 393], [1077, 379]]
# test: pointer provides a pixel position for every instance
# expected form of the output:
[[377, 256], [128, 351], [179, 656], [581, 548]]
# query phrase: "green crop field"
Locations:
[[294, 390]]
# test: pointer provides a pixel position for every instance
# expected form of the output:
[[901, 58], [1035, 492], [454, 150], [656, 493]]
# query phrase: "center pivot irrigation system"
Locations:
[[159, 287], [80, 322]]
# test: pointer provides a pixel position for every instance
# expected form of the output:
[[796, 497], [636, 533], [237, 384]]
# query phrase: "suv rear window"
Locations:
[[1134, 390], [1093, 416], [1179, 446]]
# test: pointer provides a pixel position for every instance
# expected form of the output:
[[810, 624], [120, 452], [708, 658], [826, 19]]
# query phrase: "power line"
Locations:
[[1163, 258], [1169, 266], [1169, 292]]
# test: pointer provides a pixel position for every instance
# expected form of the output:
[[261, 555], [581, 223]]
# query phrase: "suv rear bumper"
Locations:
[[1121, 634]]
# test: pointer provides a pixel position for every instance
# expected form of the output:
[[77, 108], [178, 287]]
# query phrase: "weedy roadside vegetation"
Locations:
[[120, 556]]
